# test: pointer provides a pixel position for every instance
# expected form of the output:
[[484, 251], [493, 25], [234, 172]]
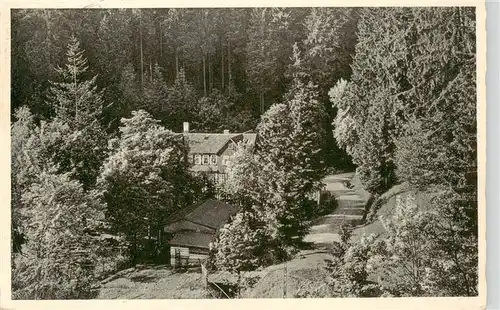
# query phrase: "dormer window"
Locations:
[[197, 159], [213, 159], [225, 160], [206, 159]]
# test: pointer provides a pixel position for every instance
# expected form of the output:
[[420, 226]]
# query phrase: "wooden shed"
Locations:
[[194, 228]]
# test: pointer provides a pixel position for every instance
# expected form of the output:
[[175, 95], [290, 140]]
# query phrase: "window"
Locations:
[[225, 160], [197, 159], [205, 159], [213, 159]]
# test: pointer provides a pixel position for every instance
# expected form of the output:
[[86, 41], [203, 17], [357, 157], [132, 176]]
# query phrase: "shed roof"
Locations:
[[189, 226], [192, 239], [212, 213]]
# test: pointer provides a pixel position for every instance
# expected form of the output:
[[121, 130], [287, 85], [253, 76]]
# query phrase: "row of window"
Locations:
[[206, 159]]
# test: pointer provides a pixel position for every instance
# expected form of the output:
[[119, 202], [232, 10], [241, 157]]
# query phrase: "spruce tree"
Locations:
[[262, 52], [155, 93], [180, 105], [79, 105]]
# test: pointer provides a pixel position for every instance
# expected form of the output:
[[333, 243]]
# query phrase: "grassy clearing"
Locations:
[[157, 282], [303, 272]]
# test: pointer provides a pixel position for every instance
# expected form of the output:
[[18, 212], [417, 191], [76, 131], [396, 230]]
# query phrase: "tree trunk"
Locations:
[[261, 102], [142, 56], [222, 63], [239, 284], [76, 98], [210, 74], [204, 78], [150, 71], [229, 61], [176, 62], [161, 42]]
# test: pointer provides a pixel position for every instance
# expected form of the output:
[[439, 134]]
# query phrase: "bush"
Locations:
[[328, 204], [46, 280]]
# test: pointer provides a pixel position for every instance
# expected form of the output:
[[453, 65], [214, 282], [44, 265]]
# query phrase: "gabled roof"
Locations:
[[213, 143], [250, 137], [208, 143]]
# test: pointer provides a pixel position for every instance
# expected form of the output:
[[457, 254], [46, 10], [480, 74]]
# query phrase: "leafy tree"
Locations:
[[145, 178], [275, 183], [241, 182], [57, 257], [344, 124], [21, 174], [240, 245], [427, 252], [348, 269]]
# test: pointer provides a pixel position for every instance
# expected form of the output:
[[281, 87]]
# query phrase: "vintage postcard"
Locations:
[[303, 154]]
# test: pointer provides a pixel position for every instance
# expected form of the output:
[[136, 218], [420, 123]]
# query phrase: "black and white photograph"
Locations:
[[240, 153]]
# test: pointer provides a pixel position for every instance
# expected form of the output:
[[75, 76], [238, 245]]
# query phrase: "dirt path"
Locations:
[[350, 209]]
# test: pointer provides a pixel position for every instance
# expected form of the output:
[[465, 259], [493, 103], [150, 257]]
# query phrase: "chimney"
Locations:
[[185, 125], [226, 131]]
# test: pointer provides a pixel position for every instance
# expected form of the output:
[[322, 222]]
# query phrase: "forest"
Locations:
[[99, 95]]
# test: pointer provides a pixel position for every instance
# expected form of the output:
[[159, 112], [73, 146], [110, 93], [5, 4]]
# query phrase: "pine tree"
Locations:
[[262, 53], [306, 112], [328, 55], [180, 104], [130, 90], [368, 101], [214, 113], [155, 93], [76, 100], [79, 105]]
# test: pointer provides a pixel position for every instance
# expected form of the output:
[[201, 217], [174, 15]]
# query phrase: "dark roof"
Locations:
[[185, 225], [212, 213], [213, 143], [208, 143], [192, 239]]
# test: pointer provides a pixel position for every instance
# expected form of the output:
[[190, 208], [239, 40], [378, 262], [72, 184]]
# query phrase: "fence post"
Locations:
[[284, 279], [204, 275]]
